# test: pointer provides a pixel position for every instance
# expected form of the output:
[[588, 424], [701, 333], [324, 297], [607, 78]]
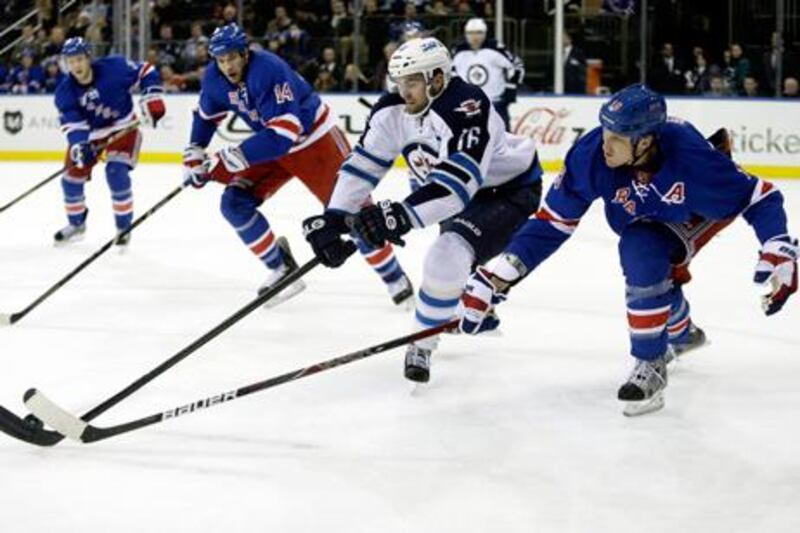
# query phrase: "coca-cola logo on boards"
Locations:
[[547, 126]]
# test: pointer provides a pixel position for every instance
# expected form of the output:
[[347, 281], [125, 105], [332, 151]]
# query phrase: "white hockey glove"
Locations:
[[776, 272]]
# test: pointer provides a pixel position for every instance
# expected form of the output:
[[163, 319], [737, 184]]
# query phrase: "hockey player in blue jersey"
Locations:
[[94, 102], [478, 182], [295, 135], [666, 192]]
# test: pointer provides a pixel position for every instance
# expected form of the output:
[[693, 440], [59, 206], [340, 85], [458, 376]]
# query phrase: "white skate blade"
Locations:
[[72, 240], [5, 319], [645, 406], [288, 293], [416, 389]]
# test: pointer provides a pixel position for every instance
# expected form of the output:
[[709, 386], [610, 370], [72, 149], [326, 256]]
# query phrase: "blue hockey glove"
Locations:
[[83, 154]]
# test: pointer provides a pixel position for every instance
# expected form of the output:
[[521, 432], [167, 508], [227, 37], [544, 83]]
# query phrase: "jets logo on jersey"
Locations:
[[477, 75], [283, 93], [470, 107], [676, 194], [421, 158]]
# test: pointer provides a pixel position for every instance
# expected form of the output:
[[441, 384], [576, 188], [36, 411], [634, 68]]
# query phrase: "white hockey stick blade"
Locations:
[[5, 319], [54, 416], [645, 406]]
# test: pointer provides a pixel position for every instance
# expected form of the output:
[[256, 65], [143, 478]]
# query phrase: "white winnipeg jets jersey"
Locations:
[[492, 68], [456, 148]]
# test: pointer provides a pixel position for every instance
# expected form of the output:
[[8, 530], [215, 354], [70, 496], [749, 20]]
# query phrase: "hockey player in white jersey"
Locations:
[[489, 65], [475, 180]]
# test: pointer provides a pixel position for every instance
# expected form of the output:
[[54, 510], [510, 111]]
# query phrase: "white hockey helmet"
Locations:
[[477, 25], [421, 56]]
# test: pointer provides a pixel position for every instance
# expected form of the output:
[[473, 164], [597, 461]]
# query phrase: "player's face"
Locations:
[[475, 39], [412, 91], [617, 149], [232, 65], [81, 68]]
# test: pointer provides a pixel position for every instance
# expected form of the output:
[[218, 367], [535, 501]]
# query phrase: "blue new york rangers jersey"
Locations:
[[692, 180], [104, 106], [276, 103]]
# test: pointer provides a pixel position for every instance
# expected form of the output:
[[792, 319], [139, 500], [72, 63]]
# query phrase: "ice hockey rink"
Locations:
[[519, 432]]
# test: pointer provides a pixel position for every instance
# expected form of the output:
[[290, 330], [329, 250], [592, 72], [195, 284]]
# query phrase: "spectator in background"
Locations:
[[229, 14], [728, 69], [3, 79], [27, 41], [53, 45], [574, 67], [750, 87], [698, 78], [172, 83], [328, 64], [295, 45], [191, 47], [381, 74], [280, 23], [717, 86], [791, 88], [354, 79], [81, 25], [169, 50], [197, 68], [325, 82], [376, 30], [666, 75], [341, 23], [741, 68], [27, 77], [52, 75], [770, 62]]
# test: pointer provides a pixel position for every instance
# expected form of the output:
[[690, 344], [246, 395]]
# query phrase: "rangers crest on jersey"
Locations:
[[470, 108]]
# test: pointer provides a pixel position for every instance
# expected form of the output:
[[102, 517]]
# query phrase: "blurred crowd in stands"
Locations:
[[318, 38]]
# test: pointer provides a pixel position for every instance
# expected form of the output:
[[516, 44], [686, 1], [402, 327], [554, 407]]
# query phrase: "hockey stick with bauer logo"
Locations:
[[31, 429], [8, 319], [80, 430], [117, 136]]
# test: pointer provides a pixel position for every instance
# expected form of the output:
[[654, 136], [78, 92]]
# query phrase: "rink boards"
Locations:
[[765, 132]]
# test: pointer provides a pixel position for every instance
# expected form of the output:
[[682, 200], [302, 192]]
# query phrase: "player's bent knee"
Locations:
[[237, 205], [117, 176], [448, 263]]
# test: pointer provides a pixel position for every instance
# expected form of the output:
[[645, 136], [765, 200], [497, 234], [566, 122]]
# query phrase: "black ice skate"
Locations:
[[289, 265], [643, 392], [122, 240], [418, 364], [402, 292], [69, 234], [696, 339]]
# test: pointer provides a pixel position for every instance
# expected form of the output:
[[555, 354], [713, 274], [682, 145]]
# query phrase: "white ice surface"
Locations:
[[516, 433]]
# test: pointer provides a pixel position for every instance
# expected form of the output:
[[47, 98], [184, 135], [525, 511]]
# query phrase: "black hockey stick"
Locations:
[[7, 319], [54, 175], [77, 429], [31, 429]]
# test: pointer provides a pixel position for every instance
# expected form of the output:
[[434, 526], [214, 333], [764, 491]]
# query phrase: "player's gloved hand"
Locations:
[[195, 168], [509, 96], [324, 234], [83, 154], [386, 221], [227, 163], [777, 272], [152, 108], [481, 294]]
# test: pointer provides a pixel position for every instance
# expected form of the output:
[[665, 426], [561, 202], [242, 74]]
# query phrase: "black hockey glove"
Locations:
[[324, 234], [387, 221]]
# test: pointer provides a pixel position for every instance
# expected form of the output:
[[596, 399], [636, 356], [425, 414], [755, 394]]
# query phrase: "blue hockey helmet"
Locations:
[[635, 111], [75, 46], [227, 39]]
